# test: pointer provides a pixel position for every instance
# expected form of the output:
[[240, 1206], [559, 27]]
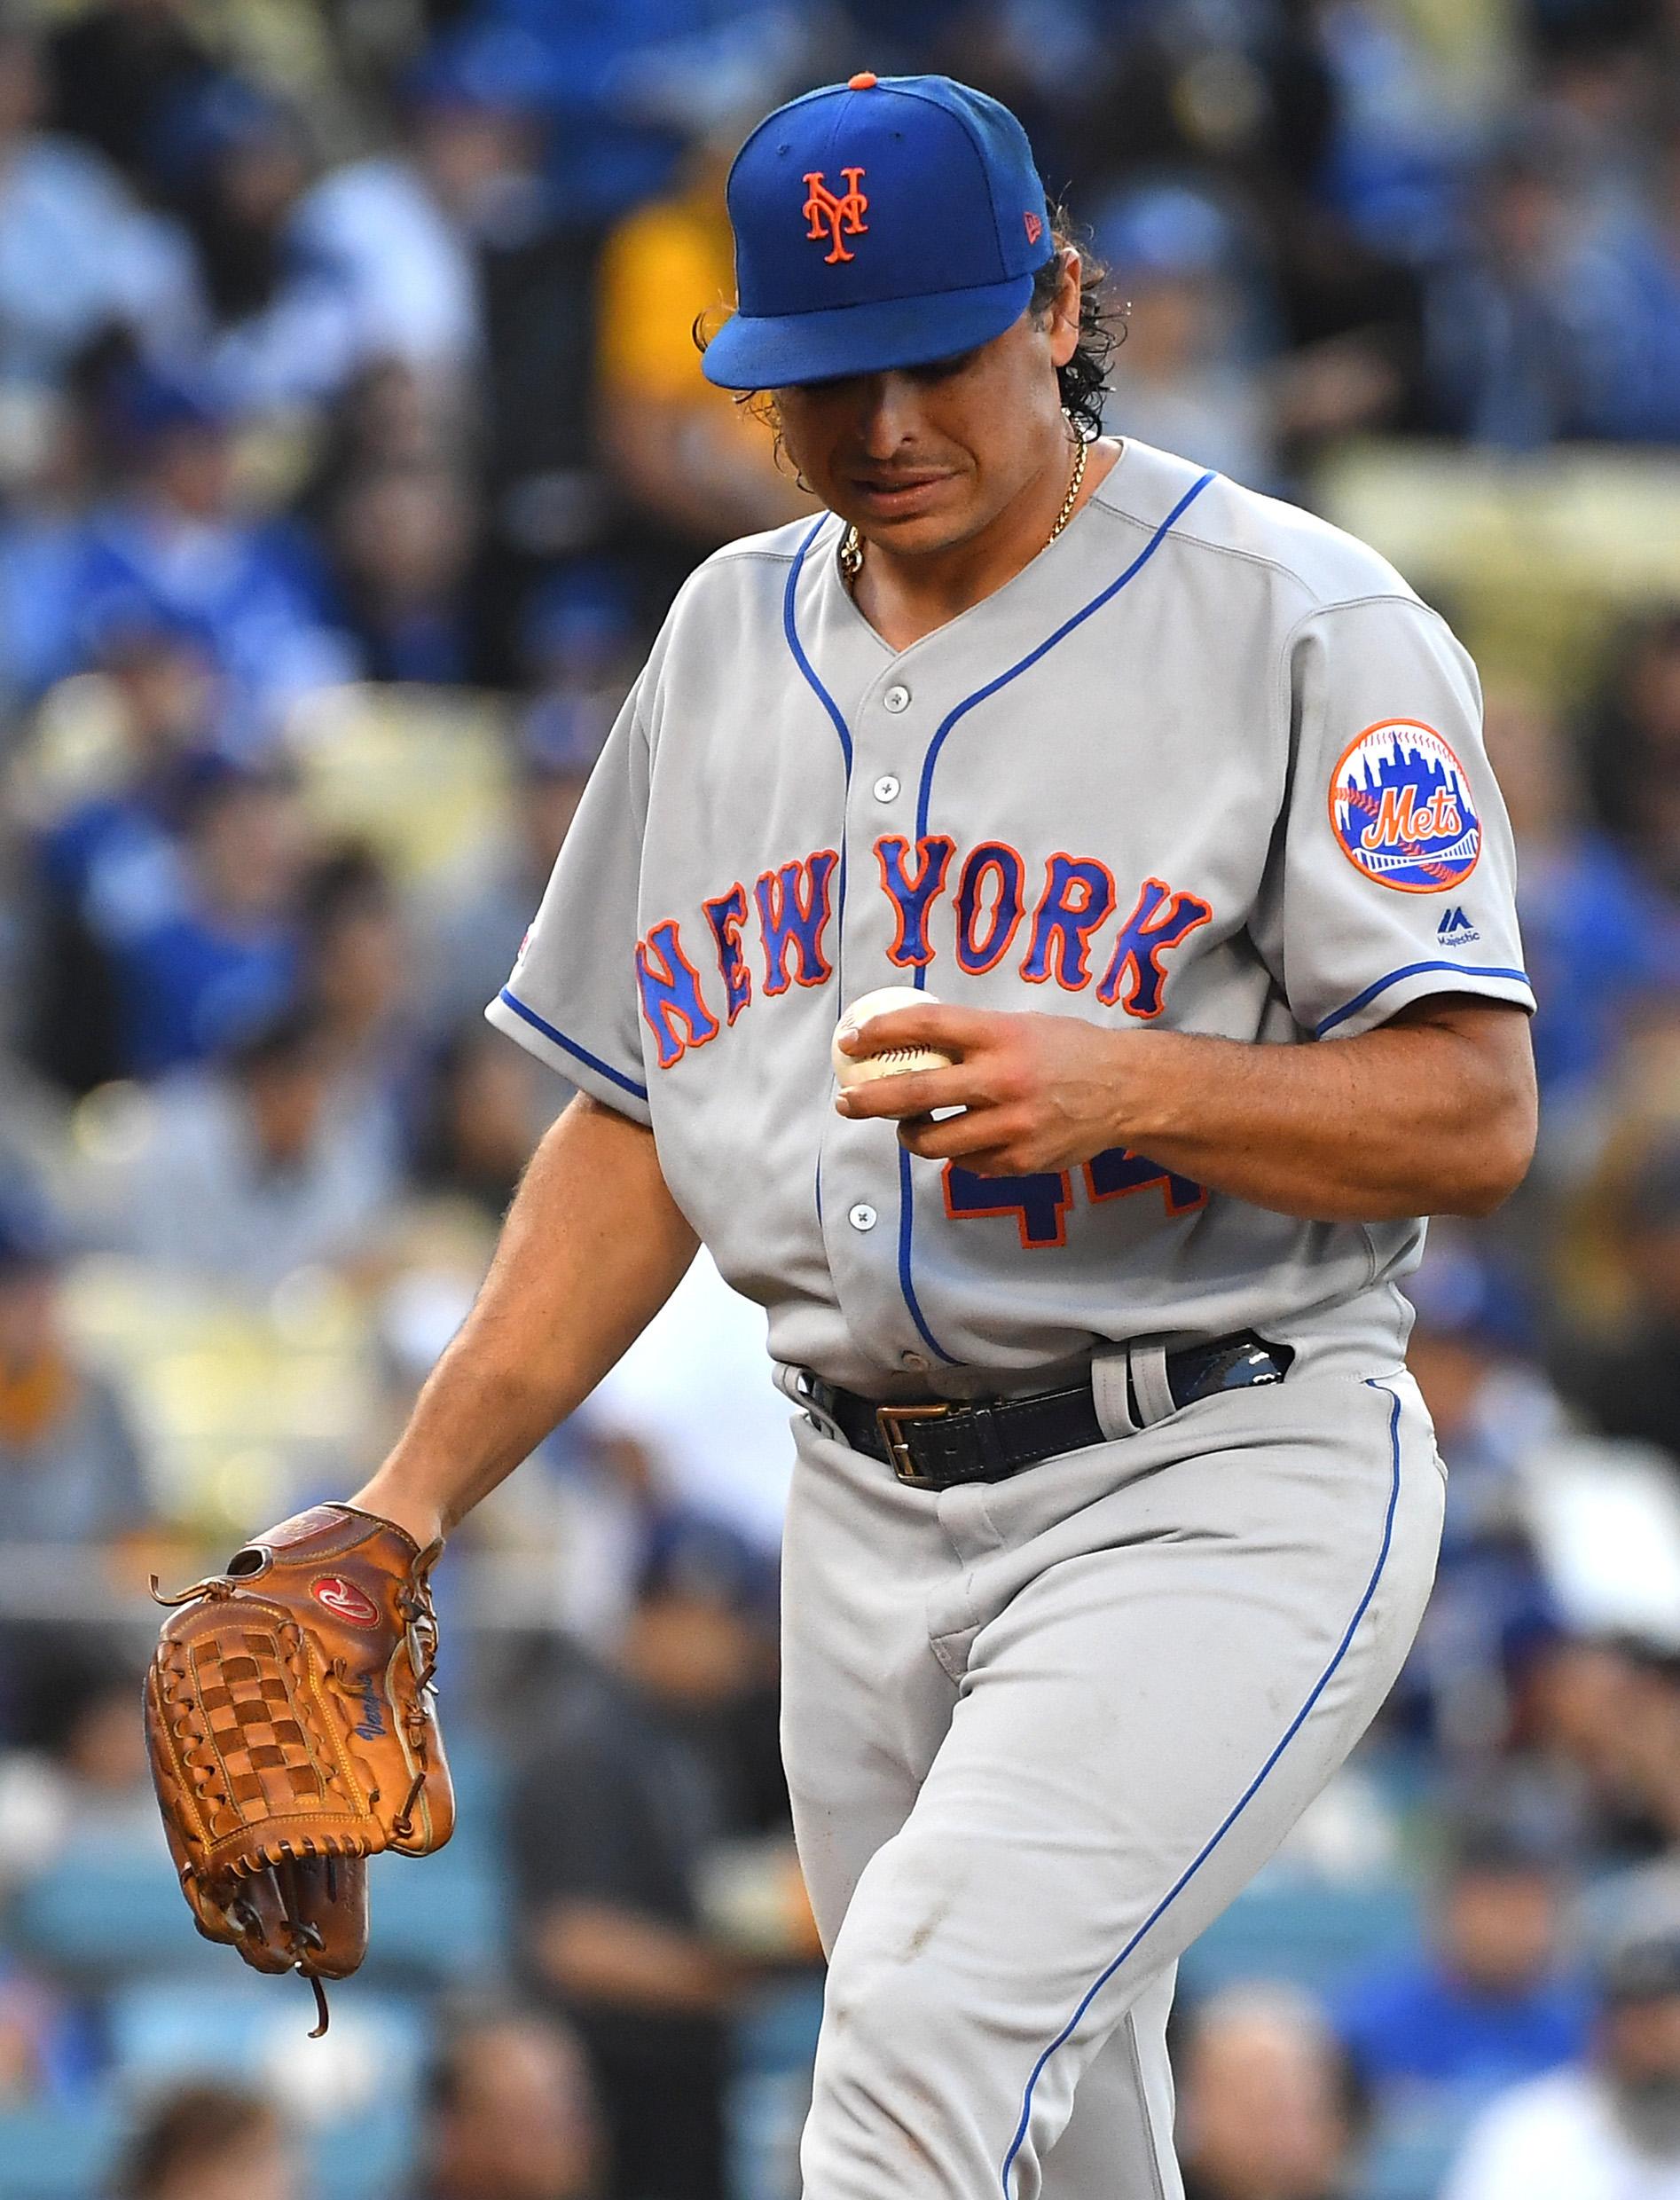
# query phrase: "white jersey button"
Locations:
[[916, 1362], [886, 787], [897, 698], [862, 1217]]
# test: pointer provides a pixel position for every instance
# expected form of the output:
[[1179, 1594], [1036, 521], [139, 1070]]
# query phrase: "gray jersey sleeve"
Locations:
[[1391, 875], [571, 998]]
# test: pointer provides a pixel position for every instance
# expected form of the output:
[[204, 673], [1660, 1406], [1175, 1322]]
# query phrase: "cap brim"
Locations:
[[748, 353]]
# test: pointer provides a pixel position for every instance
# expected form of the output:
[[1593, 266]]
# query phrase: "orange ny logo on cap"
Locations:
[[835, 218]]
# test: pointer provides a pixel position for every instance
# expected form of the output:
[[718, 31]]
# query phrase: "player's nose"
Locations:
[[889, 414]]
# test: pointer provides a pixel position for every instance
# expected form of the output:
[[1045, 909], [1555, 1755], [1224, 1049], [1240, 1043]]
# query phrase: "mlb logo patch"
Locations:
[[1401, 808]]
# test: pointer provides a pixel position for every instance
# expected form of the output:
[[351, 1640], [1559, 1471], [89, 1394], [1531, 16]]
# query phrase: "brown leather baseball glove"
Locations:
[[293, 1733]]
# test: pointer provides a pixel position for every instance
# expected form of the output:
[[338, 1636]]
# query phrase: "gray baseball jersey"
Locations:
[[1206, 762]]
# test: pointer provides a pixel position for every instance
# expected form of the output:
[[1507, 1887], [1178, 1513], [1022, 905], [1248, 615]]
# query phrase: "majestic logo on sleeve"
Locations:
[[835, 216], [1401, 808]]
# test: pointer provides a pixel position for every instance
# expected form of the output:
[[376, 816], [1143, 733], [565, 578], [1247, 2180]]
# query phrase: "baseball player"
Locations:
[[1116, 1508]]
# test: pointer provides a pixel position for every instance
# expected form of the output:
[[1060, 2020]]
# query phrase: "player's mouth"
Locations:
[[895, 496]]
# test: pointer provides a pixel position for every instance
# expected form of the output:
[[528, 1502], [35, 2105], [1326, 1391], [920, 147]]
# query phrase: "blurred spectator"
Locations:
[[210, 2142], [77, 256], [376, 264], [1180, 380], [474, 930], [1609, 2129], [176, 547], [639, 1774], [405, 538], [1649, 408], [1630, 1383], [1603, 1718], [118, 68], [1192, 375], [1471, 1351], [248, 1170], [1633, 749], [111, 860], [357, 965], [1490, 2003], [510, 2114], [48, 474], [236, 160], [1595, 936], [1526, 326], [484, 1113], [70, 1470], [378, 259], [686, 453], [81, 1772], [1403, 130], [387, 419], [45, 2054], [1264, 2110], [201, 950], [625, 87]]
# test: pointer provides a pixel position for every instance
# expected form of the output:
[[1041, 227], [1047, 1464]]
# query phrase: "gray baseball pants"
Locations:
[[1040, 1733]]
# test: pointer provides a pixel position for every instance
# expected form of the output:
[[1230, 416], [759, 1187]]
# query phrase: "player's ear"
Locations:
[[1064, 312]]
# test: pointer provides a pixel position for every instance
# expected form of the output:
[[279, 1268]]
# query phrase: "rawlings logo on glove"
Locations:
[[345, 1598], [293, 1731]]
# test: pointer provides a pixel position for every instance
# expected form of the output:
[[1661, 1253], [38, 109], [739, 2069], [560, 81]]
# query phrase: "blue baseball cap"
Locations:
[[879, 224]]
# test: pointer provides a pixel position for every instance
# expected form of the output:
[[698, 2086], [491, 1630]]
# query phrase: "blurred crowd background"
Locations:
[[351, 445]]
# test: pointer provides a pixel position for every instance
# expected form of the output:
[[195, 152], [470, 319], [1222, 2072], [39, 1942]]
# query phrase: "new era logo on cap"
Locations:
[[879, 224]]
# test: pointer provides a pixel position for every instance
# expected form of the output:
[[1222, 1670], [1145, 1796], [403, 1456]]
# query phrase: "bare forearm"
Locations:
[[592, 1248], [1402, 1120]]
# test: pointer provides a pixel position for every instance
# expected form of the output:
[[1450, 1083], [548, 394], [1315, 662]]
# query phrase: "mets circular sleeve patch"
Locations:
[[1401, 808]]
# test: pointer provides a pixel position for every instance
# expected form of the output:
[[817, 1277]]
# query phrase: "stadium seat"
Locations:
[[775, 2040], [57, 2153], [1310, 1934], [445, 1917], [420, 772], [442, 1917], [103, 1909], [1410, 2151]]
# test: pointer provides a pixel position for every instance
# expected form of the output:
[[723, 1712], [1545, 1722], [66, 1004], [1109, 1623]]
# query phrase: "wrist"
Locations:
[[1147, 1087], [395, 1498]]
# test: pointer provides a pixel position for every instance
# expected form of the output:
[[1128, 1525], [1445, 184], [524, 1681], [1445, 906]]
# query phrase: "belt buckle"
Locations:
[[887, 1420]]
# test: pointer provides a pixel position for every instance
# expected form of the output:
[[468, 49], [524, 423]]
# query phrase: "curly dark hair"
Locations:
[[1083, 380]]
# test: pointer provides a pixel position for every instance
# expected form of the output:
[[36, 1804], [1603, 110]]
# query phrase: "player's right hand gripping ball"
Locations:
[[861, 1069], [293, 1731]]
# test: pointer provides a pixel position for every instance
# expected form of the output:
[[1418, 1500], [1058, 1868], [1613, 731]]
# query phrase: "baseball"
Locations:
[[894, 1061]]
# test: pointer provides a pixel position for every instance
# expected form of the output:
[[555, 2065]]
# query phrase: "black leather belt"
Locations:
[[936, 1446]]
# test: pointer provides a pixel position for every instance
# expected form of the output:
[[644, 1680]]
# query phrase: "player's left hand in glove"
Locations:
[[292, 1730]]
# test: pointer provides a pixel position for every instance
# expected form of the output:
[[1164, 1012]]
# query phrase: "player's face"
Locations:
[[925, 458]]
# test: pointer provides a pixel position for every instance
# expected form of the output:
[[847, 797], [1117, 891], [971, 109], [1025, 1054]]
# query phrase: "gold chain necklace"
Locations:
[[851, 552]]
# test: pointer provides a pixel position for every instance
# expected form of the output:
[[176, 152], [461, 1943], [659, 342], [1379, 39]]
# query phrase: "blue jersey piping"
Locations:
[[1411, 970], [1031, 657], [582, 1053]]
